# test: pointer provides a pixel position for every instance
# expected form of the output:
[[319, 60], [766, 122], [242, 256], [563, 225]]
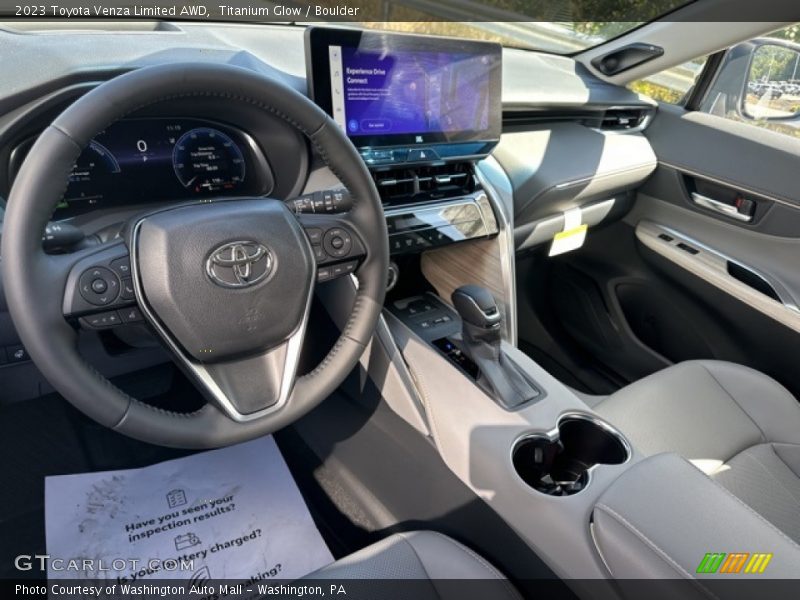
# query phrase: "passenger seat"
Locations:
[[438, 563], [739, 426]]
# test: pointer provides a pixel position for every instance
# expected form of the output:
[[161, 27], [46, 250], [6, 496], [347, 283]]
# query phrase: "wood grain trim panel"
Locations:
[[476, 261]]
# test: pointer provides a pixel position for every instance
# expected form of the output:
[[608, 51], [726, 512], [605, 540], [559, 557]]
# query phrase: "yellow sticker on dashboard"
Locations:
[[566, 241]]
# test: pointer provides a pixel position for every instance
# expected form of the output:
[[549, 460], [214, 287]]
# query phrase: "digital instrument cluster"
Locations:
[[162, 159]]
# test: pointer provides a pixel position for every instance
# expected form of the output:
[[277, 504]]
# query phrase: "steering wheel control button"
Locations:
[[344, 268], [314, 235], [319, 254], [99, 286], [131, 315], [334, 271], [102, 320], [121, 266], [337, 242], [127, 293]]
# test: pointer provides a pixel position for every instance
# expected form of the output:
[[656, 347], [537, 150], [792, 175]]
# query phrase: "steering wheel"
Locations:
[[226, 284]]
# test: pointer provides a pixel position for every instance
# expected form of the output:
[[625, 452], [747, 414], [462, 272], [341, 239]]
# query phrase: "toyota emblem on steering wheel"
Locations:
[[239, 264]]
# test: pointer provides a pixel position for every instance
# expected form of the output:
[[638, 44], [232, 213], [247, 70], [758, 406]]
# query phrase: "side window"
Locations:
[[670, 85], [758, 83]]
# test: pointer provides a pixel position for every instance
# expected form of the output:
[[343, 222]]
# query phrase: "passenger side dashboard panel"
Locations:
[[559, 166]]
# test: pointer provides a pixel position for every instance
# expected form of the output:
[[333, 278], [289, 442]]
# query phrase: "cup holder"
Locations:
[[558, 464]]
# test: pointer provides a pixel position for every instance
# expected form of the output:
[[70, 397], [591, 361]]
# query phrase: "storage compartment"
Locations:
[[558, 464]]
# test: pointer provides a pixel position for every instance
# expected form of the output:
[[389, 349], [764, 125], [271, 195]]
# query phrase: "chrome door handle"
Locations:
[[723, 208]]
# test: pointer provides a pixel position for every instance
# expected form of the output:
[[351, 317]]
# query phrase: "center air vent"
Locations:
[[420, 184], [625, 119]]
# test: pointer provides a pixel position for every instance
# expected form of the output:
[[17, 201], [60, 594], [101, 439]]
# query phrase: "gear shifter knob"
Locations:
[[477, 306], [482, 333]]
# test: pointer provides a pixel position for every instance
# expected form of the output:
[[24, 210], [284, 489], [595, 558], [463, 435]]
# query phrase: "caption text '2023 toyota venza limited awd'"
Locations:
[[516, 303]]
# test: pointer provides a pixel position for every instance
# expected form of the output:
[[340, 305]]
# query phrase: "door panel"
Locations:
[[771, 216], [759, 273], [776, 256], [736, 153]]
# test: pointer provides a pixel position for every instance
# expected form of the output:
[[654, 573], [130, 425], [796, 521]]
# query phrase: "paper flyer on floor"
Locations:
[[229, 514]]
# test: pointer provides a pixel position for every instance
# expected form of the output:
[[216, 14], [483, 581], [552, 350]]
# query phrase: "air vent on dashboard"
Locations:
[[395, 185], [615, 118], [625, 118], [419, 184]]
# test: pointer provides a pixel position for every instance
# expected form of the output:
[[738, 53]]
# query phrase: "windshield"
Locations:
[[556, 26], [529, 24]]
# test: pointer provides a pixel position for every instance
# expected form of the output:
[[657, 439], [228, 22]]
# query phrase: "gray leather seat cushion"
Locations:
[[437, 562], [660, 518], [737, 425], [762, 477]]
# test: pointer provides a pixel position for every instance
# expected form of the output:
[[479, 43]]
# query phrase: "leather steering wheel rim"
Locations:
[[34, 281]]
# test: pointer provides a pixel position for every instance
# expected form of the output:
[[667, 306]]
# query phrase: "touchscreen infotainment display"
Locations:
[[388, 89], [409, 91]]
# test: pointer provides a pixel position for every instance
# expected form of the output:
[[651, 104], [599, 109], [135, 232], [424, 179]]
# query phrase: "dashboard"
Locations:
[[401, 99], [420, 110], [160, 159], [112, 181]]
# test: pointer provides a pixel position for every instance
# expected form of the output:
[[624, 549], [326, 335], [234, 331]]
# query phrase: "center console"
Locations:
[[425, 113], [542, 465]]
